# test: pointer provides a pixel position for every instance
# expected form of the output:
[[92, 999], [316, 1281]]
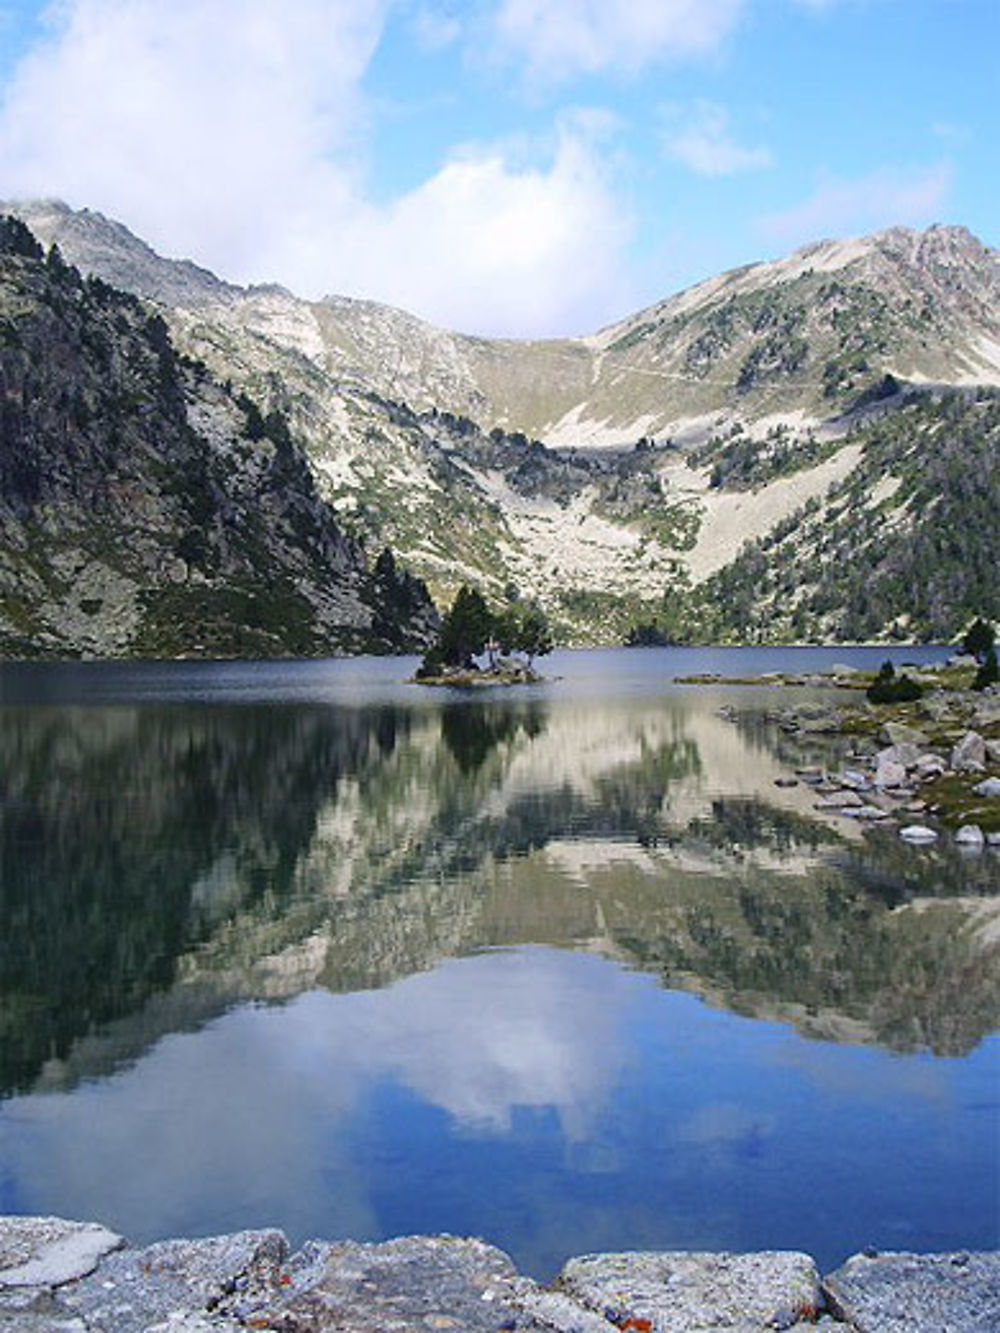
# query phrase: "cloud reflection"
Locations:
[[283, 1092]]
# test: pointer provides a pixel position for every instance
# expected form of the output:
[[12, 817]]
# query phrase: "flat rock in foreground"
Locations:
[[918, 1293], [688, 1293], [70, 1277]]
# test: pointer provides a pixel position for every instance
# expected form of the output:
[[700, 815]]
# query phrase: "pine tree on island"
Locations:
[[510, 640]]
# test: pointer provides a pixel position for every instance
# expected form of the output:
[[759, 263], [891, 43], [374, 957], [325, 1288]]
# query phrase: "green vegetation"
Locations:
[[888, 688], [469, 628], [916, 566]]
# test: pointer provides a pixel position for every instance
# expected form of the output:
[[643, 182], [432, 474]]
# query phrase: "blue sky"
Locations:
[[524, 167]]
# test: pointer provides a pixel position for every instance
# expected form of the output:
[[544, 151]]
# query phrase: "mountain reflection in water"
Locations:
[[167, 864]]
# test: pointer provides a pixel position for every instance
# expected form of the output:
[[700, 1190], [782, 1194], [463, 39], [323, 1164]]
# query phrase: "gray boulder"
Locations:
[[229, 1277], [898, 733], [695, 1293], [889, 773], [905, 753], [918, 1293], [970, 835], [417, 1282], [988, 787], [969, 755], [930, 766]]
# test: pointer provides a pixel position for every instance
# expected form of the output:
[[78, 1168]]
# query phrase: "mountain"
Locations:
[[147, 510], [651, 470]]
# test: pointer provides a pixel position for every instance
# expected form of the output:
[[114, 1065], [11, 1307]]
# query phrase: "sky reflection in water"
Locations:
[[326, 994]]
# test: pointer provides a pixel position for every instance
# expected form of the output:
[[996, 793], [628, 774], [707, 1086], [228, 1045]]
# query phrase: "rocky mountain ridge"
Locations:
[[148, 510], [614, 477]]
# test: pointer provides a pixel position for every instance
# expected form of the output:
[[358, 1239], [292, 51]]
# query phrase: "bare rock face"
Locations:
[[696, 1293], [918, 1293]]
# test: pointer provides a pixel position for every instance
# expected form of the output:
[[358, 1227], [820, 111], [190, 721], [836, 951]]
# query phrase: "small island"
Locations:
[[509, 640]]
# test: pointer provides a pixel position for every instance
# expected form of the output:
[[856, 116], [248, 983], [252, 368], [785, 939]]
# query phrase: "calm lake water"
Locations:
[[299, 944]]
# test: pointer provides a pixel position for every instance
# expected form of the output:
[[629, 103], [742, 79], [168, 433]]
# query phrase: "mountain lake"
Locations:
[[300, 944]]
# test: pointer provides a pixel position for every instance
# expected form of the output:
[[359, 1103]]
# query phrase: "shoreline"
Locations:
[[58, 1276], [929, 765]]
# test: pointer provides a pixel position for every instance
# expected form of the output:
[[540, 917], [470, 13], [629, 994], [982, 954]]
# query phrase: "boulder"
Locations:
[[970, 835], [853, 779], [986, 711], [840, 800], [988, 787], [889, 774], [695, 1293], [929, 766], [230, 1277], [904, 752], [918, 833], [917, 1293], [417, 1282], [898, 733], [969, 755]]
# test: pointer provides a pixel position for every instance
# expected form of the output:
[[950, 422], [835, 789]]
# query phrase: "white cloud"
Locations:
[[882, 198], [241, 144], [700, 139], [493, 243], [560, 38]]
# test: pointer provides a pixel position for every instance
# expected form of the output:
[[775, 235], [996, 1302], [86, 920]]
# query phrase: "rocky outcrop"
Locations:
[[66, 1277], [147, 510]]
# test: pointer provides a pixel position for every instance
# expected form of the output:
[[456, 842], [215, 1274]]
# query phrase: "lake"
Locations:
[[301, 944]]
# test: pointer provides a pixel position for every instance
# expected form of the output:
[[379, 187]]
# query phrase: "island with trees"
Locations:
[[478, 646]]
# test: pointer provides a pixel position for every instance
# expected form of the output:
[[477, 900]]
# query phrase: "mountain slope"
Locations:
[[676, 442], [146, 510]]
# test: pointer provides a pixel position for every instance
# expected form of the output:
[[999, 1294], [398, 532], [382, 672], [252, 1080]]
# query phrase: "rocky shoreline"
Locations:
[[59, 1276], [929, 767]]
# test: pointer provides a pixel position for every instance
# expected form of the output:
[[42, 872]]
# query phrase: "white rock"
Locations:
[[918, 833], [970, 835], [988, 787], [48, 1251]]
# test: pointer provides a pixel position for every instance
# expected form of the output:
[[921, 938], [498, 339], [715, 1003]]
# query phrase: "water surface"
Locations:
[[300, 944]]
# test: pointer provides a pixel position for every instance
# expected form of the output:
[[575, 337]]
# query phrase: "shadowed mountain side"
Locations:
[[147, 511]]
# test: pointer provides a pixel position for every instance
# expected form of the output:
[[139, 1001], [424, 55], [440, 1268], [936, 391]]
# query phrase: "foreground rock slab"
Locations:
[[918, 1293], [69, 1277], [47, 1251], [696, 1293]]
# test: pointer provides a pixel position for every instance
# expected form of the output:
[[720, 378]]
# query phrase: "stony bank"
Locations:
[[59, 1276]]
